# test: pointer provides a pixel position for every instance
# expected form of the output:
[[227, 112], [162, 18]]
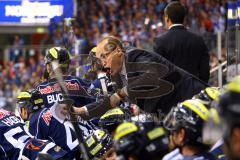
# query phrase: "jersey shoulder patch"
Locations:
[[4, 113], [47, 116]]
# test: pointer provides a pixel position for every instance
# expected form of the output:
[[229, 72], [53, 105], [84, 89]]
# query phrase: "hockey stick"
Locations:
[[73, 118]]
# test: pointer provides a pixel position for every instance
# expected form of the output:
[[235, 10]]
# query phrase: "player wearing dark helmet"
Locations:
[[112, 118], [17, 143], [229, 113], [98, 75], [210, 98], [100, 145], [44, 124], [184, 124], [140, 141], [51, 90], [29, 102], [59, 54], [57, 62]]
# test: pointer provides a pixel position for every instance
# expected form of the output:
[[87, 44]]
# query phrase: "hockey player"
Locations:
[[100, 145], [78, 89], [102, 76], [140, 141], [112, 118], [184, 124], [17, 143], [229, 113], [44, 123], [51, 90], [210, 98]]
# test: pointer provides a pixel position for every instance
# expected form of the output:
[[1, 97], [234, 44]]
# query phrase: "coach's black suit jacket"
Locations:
[[184, 49], [176, 85]]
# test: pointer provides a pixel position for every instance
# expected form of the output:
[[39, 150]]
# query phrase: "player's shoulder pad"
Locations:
[[4, 113], [82, 82], [42, 84], [8, 118]]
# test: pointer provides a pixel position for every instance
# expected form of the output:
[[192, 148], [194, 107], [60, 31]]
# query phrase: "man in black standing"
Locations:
[[181, 47]]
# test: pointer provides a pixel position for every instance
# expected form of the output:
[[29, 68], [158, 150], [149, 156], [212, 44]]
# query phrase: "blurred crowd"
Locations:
[[140, 21], [19, 75], [137, 21]]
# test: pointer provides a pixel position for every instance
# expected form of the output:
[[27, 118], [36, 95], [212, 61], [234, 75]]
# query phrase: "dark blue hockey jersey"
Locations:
[[16, 142], [78, 89], [45, 124]]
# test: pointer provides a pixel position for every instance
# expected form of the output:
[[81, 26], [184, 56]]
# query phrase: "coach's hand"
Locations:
[[76, 110]]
